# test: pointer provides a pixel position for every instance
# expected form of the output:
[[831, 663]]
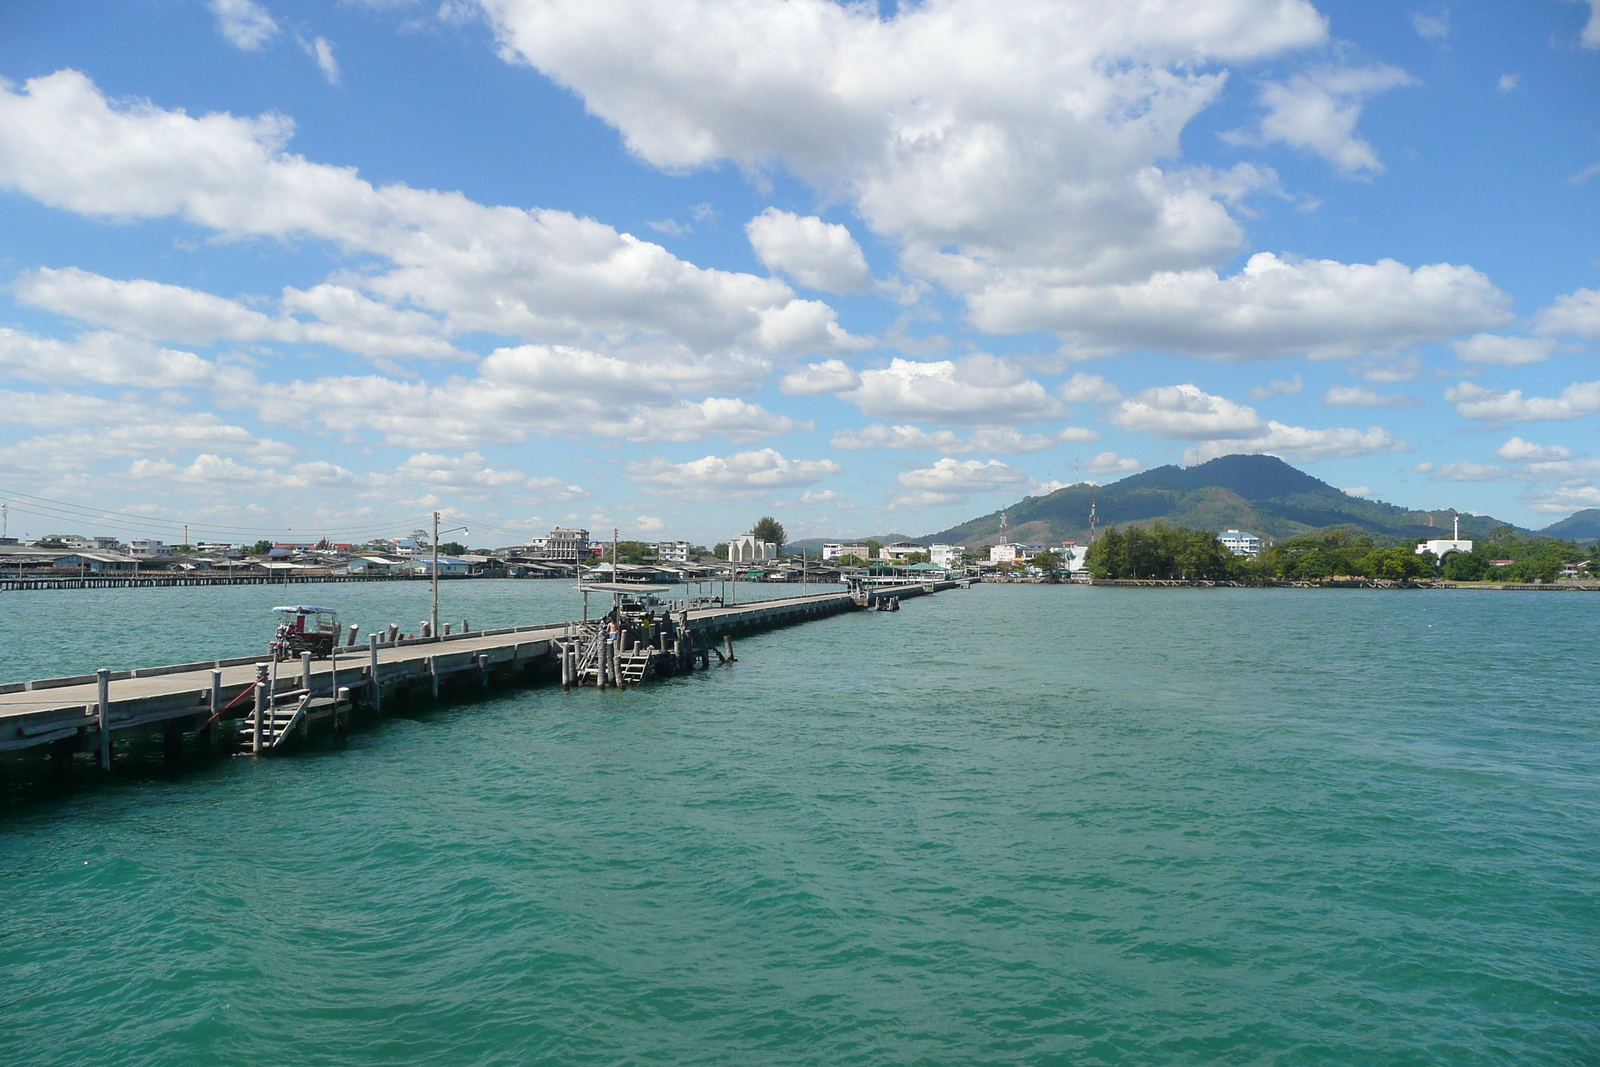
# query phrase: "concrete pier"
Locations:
[[88, 713]]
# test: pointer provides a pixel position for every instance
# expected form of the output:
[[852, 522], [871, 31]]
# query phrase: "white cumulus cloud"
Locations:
[[1359, 396], [951, 481], [1516, 450], [819, 254], [829, 376], [1187, 411], [975, 390], [1474, 401], [1577, 314], [744, 474], [1317, 111], [1026, 131], [504, 270], [103, 358], [244, 23], [1503, 351], [1111, 463], [1303, 444], [1088, 389], [1272, 307], [1003, 440]]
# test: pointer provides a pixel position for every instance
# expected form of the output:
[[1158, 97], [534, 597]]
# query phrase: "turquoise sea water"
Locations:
[[1010, 825]]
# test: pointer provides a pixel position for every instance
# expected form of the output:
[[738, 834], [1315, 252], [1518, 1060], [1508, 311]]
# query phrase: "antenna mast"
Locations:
[[1094, 523]]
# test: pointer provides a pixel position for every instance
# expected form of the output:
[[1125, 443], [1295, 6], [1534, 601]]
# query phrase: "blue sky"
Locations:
[[270, 266]]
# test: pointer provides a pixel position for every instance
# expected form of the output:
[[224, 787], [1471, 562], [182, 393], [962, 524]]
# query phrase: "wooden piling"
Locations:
[[305, 671]]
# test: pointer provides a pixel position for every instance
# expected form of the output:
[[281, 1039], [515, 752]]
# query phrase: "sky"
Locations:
[[303, 269]]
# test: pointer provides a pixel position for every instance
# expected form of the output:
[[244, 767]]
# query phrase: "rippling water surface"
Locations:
[[1009, 825]]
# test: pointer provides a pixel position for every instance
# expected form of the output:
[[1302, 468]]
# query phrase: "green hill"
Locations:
[[1259, 494], [1581, 526]]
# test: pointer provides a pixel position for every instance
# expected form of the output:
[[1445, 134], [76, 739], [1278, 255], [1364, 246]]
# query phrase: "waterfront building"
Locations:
[[1443, 547], [672, 551], [376, 565], [97, 563], [1074, 557], [1013, 552], [568, 546], [946, 555], [1240, 543], [144, 546], [93, 544], [837, 551], [897, 552], [746, 549]]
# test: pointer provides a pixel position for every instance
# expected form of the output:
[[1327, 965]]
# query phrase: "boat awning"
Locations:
[[623, 587], [301, 609]]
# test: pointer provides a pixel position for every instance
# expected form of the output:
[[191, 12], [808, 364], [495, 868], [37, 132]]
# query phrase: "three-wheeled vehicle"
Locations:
[[305, 629]]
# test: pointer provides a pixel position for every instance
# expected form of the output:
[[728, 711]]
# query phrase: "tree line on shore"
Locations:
[[1160, 551]]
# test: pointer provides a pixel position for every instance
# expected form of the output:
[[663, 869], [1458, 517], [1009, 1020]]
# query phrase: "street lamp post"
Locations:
[[433, 618]]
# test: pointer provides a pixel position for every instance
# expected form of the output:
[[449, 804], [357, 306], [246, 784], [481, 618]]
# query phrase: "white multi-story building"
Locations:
[[143, 546], [672, 551], [94, 544], [1013, 552], [568, 546], [946, 555], [838, 551], [746, 549], [897, 552], [1240, 543]]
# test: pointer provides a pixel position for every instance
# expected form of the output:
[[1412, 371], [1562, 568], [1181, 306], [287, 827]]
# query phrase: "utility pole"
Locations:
[[433, 626]]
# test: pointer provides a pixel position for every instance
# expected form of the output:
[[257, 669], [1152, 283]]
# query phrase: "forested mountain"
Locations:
[[1259, 494], [1582, 526]]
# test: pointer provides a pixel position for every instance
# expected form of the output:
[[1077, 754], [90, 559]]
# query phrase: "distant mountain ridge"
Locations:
[[1580, 526], [1259, 494]]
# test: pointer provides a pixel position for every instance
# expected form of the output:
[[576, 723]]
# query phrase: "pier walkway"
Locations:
[[211, 699]]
